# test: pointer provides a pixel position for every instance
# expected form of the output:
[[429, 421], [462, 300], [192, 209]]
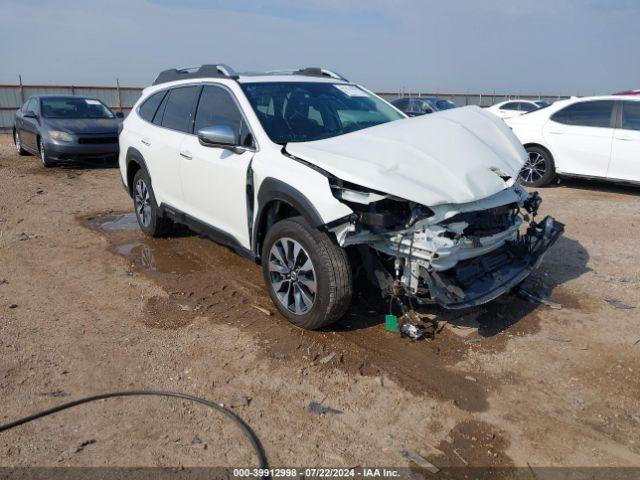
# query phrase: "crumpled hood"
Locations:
[[83, 126], [444, 157]]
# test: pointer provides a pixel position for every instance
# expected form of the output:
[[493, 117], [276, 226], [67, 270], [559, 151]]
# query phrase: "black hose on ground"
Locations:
[[246, 429]]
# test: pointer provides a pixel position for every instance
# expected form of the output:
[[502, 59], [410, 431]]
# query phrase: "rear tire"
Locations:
[[539, 169], [307, 275], [18, 143], [150, 219]]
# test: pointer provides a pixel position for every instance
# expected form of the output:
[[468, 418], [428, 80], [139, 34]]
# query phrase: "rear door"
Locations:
[[580, 136], [214, 180], [625, 157], [175, 119]]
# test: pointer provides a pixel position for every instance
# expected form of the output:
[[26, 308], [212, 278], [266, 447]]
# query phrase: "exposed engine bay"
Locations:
[[456, 255]]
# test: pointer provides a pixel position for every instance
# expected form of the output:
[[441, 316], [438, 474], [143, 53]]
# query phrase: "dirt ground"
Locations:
[[90, 305]]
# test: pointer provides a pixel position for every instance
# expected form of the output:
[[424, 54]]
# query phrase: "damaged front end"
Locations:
[[456, 255]]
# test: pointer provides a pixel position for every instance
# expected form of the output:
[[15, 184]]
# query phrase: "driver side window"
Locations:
[[217, 107]]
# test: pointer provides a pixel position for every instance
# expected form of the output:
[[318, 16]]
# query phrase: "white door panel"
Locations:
[[160, 147], [579, 150], [625, 158], [215, 184]]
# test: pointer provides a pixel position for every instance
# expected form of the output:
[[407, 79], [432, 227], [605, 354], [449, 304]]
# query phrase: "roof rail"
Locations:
[[219, 70], [312, 72]]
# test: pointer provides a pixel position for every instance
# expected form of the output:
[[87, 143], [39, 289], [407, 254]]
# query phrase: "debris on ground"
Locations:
[[239, 400], [55, 394], [560, 339], [470, 378], [196, 440], [3, 281], [23, 236], [263, 310], [455, 450], [279, 355], [85, 444], [533, 297], [391, 323], [327, 359], [420, 461], [411, 331], [13, 305], [320, 409], [614, 302]]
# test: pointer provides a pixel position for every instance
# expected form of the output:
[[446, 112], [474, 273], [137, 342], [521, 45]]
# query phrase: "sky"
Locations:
[[517, 47]]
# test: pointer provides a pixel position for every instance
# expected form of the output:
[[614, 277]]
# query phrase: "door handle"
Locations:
[[625, 138], [186, 155], [146, 142]]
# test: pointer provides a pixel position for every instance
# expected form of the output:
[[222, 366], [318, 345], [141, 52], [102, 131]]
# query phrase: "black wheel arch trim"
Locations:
[[133, 156], [271, 190]]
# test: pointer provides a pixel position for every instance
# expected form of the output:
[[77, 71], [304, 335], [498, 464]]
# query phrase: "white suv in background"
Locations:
[[591, 137], [309, 174]]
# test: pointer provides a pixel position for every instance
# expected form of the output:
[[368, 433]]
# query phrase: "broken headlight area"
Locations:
[[455, 255], [378, 212]]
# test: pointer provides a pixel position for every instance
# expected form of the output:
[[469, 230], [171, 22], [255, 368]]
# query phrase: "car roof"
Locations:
[[61, 95]]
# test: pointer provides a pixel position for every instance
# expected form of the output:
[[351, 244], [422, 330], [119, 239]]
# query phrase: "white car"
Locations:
[[513, 108], [593, 137], [312, 176]]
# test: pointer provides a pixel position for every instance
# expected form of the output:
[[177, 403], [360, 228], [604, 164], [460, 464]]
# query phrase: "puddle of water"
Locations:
[[123, 221], [159, 256]]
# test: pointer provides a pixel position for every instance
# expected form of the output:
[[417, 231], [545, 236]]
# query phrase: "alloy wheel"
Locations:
[[293, 276], [143, 203], [534, 168]]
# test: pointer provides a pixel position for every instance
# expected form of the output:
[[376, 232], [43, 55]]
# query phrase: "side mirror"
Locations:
[[221, 136], [428, 110], [30, 114], [119, 115]]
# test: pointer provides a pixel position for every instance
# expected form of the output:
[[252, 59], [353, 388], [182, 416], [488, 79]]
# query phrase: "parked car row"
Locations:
[[307, 174]]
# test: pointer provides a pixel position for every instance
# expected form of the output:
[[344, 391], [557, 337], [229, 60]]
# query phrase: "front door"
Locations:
[[580, 136], [214, 179]]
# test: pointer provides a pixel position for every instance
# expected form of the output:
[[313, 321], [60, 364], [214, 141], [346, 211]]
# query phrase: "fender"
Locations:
[[272, 189], [134, 156]]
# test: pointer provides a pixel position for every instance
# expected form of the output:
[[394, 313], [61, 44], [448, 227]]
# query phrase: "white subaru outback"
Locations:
[[313, 176]]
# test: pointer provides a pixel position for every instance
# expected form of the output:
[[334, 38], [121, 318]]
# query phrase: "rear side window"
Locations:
[[148, 109], [510, 106], [586, 114], [178, 113], [631, 115], [217, 107], [528, 107]]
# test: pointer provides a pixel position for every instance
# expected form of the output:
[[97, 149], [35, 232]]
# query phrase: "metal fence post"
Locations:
[[118, 94]]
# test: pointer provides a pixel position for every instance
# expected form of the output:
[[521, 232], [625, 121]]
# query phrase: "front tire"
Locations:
[[46, 161], [18, 143], [307, 275], [539, 169], [150, 219]]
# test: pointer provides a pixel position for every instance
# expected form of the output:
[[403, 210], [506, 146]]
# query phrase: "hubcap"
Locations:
[[143, 203], [292, 275], [534, 168]]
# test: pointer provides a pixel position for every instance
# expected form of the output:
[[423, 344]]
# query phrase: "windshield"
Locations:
[[74, 107], [306, 111], [445, 104]]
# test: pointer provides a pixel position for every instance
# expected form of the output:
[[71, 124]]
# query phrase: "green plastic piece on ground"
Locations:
[[391, 322]]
